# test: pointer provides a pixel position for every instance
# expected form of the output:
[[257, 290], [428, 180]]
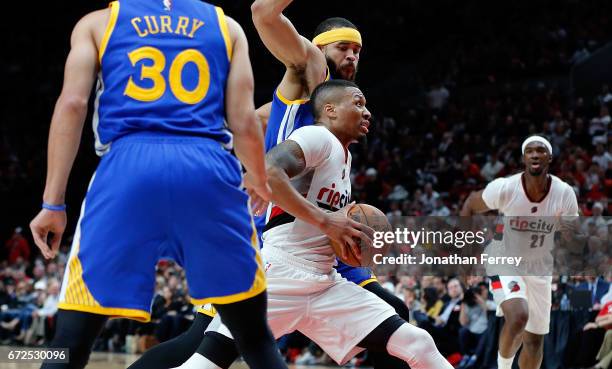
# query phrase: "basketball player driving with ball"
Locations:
[[305, 291]]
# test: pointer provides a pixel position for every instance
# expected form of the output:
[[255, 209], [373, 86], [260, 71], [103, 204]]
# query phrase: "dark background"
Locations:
[[479, 50]]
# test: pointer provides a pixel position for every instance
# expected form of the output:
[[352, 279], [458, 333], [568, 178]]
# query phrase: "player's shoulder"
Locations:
[[93, 24], [314, 136], [314, 131], [560, 185]]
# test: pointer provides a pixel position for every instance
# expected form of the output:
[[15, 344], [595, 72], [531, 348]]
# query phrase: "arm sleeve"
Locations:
[[315, 144], [493, 195]]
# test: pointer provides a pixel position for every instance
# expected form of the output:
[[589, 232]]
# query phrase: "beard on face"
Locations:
[[336, 73]]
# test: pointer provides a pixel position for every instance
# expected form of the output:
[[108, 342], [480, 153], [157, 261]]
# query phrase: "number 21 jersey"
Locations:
[[530, 225]]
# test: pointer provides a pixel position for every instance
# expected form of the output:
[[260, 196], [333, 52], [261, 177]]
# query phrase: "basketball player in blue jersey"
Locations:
[[339, 44], [332, 54], [170, 73]]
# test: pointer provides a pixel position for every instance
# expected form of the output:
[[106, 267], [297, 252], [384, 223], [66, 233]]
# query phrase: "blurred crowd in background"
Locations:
[[448, 118]]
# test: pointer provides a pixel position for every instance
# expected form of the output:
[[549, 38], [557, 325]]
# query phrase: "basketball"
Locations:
[[375, 219]]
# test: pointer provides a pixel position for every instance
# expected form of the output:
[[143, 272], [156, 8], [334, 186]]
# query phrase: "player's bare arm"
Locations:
[[286, 161], [240, 111], [306, 65], [66, 128], [474, 204], [263, 113]]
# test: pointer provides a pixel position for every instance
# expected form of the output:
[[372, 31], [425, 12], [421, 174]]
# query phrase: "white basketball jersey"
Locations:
[[529, 226], [325, 182]]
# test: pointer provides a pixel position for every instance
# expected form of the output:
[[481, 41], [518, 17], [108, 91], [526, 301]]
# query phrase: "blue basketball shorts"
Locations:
[[155, 197], [357, 275]]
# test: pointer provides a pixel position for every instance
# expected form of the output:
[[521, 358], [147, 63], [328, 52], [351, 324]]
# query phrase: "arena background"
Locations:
[[510, 69]]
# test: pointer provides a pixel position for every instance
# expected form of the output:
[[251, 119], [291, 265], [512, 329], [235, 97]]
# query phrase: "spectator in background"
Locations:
[[405, 281], [593, 178], [431, 306], [594, 342], [604, 321], [492, 168], [579, 135], [602, 157], [440, 209], [455, 292], [412, 302], [428, 198], [17, 247], [471, 171], [598, 287], [437, 97], [599, 125], [473, 320], [37, 331], [605, 96]]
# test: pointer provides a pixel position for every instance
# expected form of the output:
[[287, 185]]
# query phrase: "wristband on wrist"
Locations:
[[53, 207]]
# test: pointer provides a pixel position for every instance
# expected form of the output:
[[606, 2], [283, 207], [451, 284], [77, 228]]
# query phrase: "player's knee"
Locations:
[[416, 340], [517, 321], [424, 340]]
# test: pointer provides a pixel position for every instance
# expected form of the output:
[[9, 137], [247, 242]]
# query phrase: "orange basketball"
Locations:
[[375, 219]]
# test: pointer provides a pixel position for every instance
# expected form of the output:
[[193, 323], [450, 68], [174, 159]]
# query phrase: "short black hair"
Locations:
[[321, 94], [333, 23]]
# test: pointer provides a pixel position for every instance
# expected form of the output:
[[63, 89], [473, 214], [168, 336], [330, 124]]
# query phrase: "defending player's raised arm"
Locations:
[[240, 112], [305, 63], [280, 36], [66, 129], [474, 204]]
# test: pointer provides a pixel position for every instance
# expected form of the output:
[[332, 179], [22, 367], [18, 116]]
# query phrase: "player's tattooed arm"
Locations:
[[287, 157], [474, 204], [286, 161]]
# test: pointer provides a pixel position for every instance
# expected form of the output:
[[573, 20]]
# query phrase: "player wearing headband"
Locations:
[[538, 197], [333, 53], [305, 292]]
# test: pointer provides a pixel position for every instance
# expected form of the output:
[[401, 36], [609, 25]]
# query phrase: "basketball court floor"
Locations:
[[104, 360]]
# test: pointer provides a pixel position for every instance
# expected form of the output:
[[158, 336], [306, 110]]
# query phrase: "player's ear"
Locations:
[[330, 110]]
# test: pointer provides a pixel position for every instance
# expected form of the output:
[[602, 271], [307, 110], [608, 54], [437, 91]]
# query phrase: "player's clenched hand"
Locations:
[[344, 230], [48, 221], [259, 191]]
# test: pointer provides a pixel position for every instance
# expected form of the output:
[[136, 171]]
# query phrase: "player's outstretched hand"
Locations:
[[48, 221], [344, 230], [260, 193]]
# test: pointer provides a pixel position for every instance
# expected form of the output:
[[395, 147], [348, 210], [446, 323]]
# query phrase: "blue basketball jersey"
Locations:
[[285, 117], [161, 56]]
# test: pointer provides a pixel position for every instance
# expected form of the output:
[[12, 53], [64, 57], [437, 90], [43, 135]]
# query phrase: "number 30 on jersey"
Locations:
[[154, 73]]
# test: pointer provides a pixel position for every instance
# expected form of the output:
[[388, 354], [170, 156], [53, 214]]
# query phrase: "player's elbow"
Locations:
[[72, 103], [245, 126], [261, 12]]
